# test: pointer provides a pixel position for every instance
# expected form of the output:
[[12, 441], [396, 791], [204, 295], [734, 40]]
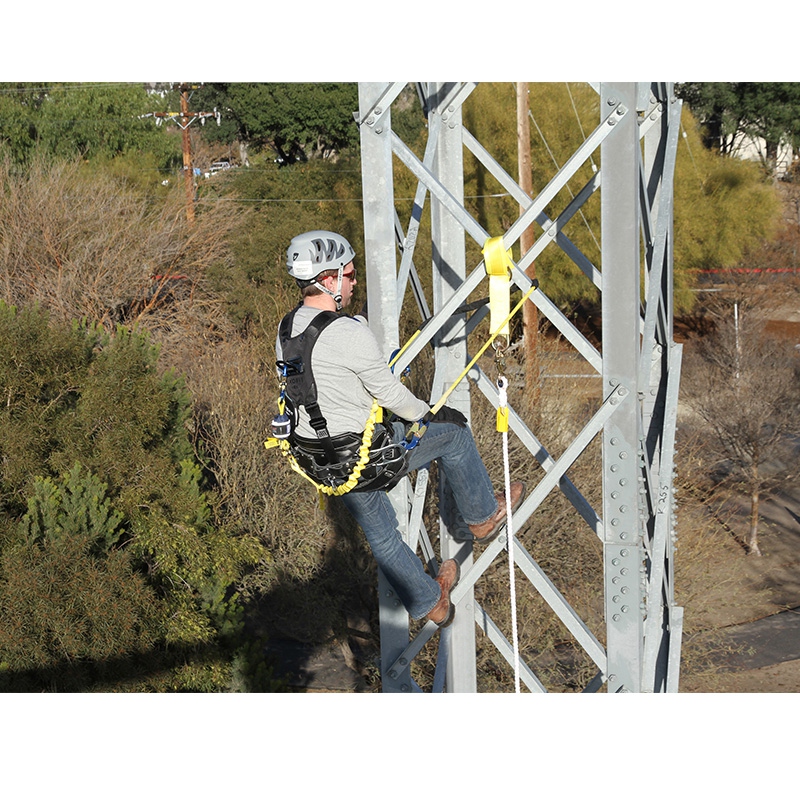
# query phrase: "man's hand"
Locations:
[[446, 414]]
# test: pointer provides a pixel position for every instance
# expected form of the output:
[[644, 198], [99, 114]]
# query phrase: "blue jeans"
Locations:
[[454, 448]]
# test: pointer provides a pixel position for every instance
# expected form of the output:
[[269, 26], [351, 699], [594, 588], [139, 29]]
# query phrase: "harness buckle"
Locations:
[[415, 433]]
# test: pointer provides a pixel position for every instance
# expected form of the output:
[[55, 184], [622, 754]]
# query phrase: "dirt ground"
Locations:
[[784, 677], [744, 589], [740, 588]]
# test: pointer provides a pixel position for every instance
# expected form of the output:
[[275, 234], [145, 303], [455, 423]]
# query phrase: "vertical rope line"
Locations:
[[503, 401]]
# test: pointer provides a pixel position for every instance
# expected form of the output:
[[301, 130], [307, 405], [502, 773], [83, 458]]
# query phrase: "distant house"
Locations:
[[751, 148]]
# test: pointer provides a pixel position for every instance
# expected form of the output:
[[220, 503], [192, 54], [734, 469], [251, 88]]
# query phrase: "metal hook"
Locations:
[[500, 345]]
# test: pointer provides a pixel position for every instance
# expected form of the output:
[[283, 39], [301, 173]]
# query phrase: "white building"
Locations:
[[752, 148]]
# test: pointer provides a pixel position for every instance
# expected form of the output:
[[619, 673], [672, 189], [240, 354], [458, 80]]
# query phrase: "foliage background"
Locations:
[[137, 371]]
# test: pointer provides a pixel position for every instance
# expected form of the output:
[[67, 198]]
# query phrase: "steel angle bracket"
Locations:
[[612, 403], [659, 581], [651, 116], [434, 323], [674, 652], [407, 240], [423, 173], [454, 97], [573, 163], [381, 104], [559, 320], [540, 453], [552, 228], [558, 603], [660, 235]]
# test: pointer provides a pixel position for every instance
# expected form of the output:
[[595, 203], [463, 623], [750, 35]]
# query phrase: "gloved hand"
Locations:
[[446, 414]]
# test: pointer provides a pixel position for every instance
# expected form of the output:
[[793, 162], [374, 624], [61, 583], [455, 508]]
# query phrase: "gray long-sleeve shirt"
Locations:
[[350, 371]]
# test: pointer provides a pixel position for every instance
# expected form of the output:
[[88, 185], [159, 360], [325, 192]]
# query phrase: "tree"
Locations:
[[85, 120], [769, 111], [67, 593], [100, 487], [743, 385], [723, 209], [254, 282], [298, 121], [20, 103], [715, 107]]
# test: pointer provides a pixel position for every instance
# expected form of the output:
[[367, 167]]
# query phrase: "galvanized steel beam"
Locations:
[[636, 136]]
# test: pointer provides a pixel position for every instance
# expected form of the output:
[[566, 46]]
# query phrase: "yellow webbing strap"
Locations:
[[363, 453], [498, 267], [405, 347], [419, 428], [504, 324]]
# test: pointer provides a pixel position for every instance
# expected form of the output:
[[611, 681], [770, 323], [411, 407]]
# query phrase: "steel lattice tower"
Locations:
[[636, 141]]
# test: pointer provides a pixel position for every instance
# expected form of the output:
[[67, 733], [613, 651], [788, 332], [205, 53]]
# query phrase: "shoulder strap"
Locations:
[[303, 389], [313, 329]]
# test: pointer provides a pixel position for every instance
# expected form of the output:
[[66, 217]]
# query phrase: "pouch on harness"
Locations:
[[330, 460]]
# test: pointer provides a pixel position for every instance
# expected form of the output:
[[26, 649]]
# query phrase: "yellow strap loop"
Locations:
[[443, 399], [498, 267]]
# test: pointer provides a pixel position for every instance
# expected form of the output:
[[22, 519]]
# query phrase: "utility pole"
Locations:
[[188, 177], [530, 316], [183, 120]]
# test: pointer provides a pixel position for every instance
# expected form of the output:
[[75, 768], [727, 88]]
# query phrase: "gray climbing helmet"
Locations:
[[316, 251]]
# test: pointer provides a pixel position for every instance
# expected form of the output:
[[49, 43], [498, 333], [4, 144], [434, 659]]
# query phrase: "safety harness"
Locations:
[[371, 460], [365, 461]]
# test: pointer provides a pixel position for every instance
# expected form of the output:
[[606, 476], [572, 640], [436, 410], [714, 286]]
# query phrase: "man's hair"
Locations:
[[311, 290]]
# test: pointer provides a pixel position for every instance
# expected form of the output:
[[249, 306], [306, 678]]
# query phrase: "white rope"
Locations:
[[502, 385]]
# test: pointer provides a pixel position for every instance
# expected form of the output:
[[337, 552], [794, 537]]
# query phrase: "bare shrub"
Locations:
[[319, 579], [743, 387], [87, 246], [234, 397]]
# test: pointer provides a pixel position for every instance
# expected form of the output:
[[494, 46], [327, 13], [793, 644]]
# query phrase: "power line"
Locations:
[[66, 87], [338, 199]]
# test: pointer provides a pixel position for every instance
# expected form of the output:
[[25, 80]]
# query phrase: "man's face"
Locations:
[[348, 284]]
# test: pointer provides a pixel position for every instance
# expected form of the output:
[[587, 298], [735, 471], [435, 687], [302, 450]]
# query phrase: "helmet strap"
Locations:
[[337, 296]]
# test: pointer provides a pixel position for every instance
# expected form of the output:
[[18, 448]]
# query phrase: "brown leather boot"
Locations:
[[485, 532], [444, 611]]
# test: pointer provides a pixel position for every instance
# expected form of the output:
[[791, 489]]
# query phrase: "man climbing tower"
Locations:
[[335, 379]]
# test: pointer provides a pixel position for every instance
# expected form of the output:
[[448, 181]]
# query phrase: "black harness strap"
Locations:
[[296, 367], [330, 460]]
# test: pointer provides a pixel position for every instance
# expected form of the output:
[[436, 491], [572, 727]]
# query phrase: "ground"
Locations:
[[742, 612], [749, 616], [743, 620]]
